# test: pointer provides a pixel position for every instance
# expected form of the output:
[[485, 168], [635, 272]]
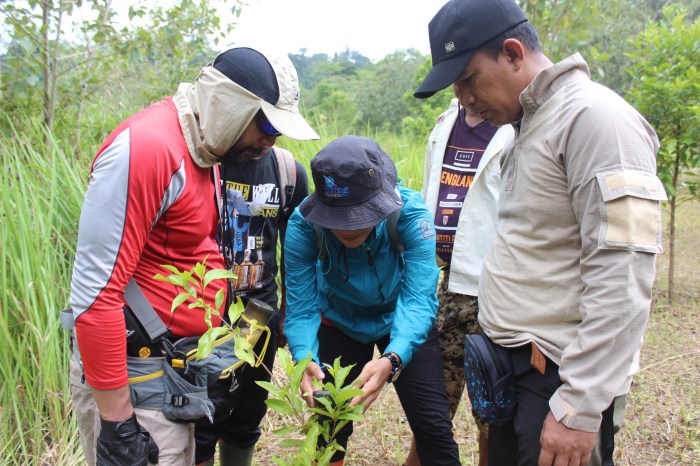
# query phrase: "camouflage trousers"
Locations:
[[458, 315]]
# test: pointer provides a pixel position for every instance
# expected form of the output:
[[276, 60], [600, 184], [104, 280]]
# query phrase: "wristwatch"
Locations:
[[395, 366]]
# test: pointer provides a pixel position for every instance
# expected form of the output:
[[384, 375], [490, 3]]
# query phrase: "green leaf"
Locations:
[[179, 299], [205, 345], [284, 360], [235, 309], [299, 368], [279, 406], [348, 393], [217, 332], [219, 299], [175, 279], [200, 269], [286, 430], [171, 268], [271, 388], [351, 417], [291, 443], [339, 372], [217, 274], [243, 349]]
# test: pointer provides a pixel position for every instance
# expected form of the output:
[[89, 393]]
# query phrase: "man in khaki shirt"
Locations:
[[570, 269]]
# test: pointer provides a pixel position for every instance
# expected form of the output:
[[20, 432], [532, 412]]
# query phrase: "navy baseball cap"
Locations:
[[457, 31], [355, 185]]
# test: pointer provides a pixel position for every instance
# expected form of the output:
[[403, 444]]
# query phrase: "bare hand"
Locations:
[[562, 446], [313, 371], [371, 380]]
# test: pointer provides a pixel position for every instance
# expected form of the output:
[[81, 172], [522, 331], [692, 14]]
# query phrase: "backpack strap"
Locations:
[[287, 171], [320, 243], [392, 226]]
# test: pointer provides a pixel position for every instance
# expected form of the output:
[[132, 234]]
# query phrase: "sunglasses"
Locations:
[[265, 126]]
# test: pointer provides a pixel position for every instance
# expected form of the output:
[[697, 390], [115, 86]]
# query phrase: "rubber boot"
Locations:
[[231, 455], [338, 463], [207, 463]]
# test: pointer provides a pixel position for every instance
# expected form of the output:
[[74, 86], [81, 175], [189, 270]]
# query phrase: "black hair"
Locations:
[[525, 33]]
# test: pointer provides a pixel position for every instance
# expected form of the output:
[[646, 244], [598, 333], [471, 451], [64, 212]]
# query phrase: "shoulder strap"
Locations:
[[320, 244], [143, 311], [392, 227], [287, 171]]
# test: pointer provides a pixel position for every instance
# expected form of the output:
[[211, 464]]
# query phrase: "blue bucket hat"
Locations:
[[355, 185]]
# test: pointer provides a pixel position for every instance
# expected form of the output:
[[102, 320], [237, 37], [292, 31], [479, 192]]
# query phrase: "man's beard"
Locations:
[[235, 155]]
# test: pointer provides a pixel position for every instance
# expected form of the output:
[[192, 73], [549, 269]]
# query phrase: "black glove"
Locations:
[[125, 443]]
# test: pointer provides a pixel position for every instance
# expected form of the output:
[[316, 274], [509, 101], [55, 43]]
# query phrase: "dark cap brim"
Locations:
[[442, 75], [353, 217]]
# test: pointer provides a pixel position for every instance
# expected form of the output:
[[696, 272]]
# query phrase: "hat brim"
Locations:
[[442, 75], [291, 124], [354, 217]]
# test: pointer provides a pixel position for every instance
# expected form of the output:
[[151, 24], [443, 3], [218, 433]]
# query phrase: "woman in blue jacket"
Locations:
[[357, 290]]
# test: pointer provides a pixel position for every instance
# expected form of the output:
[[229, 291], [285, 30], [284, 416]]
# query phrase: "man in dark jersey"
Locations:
[[256, 206], [461, 184]]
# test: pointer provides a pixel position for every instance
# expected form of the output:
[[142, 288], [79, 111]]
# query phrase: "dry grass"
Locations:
[[663, 414]]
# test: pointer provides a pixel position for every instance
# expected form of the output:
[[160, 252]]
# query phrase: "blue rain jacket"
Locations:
[[379, 292]]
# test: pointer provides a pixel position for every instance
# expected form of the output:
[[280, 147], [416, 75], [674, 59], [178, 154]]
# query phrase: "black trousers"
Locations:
[[420, 388], [242, 428], [517, 443]]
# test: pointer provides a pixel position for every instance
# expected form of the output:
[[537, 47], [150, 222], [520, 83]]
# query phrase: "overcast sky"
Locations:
[[375, 28]]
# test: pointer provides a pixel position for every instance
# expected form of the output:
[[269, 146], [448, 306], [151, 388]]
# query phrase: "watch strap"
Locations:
[[395, 366]]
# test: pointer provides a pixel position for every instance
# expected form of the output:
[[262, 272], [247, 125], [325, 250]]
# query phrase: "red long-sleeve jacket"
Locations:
[[147, 204]]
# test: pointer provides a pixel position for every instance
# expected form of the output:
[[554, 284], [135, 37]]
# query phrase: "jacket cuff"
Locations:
[[402, 348], [565, 413]]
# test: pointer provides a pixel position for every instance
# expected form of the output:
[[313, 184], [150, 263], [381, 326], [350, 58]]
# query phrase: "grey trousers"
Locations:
[[175, 441]]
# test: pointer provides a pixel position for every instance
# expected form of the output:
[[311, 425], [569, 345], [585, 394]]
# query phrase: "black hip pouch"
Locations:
[[138, 343]]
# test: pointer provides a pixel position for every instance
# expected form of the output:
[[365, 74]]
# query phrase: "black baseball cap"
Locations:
[[355, 185], [457, 31], [273, 78]]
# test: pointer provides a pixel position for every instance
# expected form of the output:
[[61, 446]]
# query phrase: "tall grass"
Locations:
[[41, 192], [406, 150]]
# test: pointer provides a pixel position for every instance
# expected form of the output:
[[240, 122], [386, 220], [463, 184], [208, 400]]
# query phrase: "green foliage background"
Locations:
[[61, 94]]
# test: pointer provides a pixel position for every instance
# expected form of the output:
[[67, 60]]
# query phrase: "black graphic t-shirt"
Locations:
[[462, 156], [252, 218]]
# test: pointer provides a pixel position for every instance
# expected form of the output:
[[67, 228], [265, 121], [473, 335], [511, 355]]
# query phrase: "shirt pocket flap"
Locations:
[[630, 210], [618, 181]]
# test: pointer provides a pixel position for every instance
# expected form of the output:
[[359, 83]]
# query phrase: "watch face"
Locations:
[[394, 375]]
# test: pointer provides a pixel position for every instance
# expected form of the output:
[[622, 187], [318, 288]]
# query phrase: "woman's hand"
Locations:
[[313, 371], [371, 380]]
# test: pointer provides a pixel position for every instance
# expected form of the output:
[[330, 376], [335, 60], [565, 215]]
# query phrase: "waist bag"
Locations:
[[490, 379], [166, 375], [202, 391]]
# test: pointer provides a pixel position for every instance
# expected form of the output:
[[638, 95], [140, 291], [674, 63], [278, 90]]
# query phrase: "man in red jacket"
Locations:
[[152, 200]]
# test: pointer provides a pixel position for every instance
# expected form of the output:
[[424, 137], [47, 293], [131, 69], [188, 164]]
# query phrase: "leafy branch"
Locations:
[[332, 411], [194, 282]]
